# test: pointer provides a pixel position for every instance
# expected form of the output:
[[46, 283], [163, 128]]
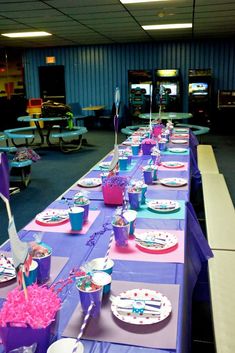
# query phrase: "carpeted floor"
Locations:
[[52, 175]]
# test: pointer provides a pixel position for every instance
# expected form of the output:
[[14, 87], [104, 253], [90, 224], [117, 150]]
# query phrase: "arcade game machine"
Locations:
[[225, 108], [169, 82], [139, 82], [199, 93]]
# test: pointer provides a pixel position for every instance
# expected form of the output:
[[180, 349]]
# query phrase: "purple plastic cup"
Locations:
[[154, 157], [148, 177], [134, 200], [87, 297], [121, 234], [44, 268], [86, 212], [146, 148], [162, 146]]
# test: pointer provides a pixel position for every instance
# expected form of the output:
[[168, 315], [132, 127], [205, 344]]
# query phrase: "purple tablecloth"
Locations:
[[81, 248]]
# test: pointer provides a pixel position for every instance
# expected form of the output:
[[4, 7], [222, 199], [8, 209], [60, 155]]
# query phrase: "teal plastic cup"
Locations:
[[135, 149], [143, 192], [76, 217], [33, 272], [123, 163]]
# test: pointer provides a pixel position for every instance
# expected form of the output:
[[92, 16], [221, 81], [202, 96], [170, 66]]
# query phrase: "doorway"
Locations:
[[52, 83]]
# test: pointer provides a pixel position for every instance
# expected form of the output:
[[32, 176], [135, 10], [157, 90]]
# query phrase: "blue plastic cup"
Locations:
[[76, 216], [32, 277], [123, 162], [143, 192], [135, 149]]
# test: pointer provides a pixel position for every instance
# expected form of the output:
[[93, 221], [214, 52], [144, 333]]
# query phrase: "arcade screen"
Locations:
[[172, 86], [198, 88], [145, 86]]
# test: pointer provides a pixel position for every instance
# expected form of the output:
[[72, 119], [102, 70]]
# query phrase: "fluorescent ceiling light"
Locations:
[[26, 34], [138, 1], [169, 26]]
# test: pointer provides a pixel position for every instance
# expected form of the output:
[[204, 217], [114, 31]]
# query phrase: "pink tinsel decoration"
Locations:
[[37, 312]]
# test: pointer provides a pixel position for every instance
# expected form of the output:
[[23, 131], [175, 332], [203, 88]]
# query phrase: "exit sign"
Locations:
[[50, 59]]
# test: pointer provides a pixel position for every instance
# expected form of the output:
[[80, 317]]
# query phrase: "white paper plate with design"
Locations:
[[180, 130], [156, 241], [127, 142], [89, 182], [52, 217], [177, 150], [104, 165], [172, 164], [163, 206], [141, 307], [173, 182], [7, 270], [179, 142], [176, 134]]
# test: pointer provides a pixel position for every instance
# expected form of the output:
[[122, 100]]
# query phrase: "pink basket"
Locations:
[[113, 195]]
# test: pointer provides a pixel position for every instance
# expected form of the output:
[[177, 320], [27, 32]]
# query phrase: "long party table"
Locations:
[[174, 273]]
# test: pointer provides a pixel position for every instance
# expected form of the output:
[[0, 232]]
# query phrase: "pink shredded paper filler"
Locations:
[[37, 312]]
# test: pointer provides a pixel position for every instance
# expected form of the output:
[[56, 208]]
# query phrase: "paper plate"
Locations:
[[173, 182], [104, 165], [180, 135], [127, 143], [163, 206], [156, 242], [172, 164], [52, 217], [7, 270], [89, 182], [180, 130], [139, 299], [179, 141], [177, 150]]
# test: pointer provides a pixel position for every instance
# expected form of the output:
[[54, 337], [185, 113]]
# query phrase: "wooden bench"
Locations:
[[222, 289], [206, 159], [220, 228], [68, 145], [219, 212]]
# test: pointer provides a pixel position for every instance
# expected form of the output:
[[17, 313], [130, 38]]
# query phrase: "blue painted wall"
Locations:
[[93, 72]]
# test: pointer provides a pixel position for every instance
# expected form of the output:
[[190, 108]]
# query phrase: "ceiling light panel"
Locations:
[[26, 34], [167, 26]]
